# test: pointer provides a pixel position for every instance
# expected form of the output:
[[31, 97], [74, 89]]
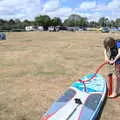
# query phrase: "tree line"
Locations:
[[45, 21]]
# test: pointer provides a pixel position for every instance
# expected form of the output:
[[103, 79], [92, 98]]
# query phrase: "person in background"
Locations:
[[112, 57]]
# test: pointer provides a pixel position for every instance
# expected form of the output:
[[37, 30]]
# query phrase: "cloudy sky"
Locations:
[[28, 9]]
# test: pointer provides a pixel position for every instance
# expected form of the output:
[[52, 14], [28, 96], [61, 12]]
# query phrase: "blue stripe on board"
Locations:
[[97, 84], [81, 87], [68, 95], [56, 106], [78, 85], [90, 106]]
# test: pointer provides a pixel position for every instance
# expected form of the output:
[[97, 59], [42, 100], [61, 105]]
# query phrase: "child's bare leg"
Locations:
[[118, 84], [115, 87], [117, 73], [109, 84], [119, 87], [116, 81]]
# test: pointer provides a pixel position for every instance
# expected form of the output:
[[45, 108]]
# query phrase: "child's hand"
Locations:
[[107, 60], [111, 62]]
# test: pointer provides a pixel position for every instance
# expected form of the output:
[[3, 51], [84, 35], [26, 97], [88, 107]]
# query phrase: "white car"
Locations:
[[51, 29]]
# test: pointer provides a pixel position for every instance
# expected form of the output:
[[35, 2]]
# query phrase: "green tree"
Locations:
[[26, 23], [112, 23], [18, 24], [43, 20], [39, 20], [93, 24], [2, 21], [4, 25], [117, 22], [56, 21], [103, 22], [76, 20], [66, 22], [11, 22], [83, 22]]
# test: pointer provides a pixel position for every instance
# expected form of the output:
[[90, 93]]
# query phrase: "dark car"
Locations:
[[60, 28]]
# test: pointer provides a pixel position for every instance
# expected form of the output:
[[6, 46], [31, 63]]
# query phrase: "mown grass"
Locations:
[[37, 67]]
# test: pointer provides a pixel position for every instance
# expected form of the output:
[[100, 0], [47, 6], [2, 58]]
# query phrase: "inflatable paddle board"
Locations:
[[78, 103]]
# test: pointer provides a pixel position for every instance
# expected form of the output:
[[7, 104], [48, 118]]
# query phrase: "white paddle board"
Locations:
[[78, 104]]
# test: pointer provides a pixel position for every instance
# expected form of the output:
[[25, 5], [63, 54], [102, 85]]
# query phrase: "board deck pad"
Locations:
[[89, 101]]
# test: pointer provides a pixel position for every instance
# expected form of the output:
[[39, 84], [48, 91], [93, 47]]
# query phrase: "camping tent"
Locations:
[[2, 36]]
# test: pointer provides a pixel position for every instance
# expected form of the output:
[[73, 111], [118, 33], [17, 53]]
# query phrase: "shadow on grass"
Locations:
[[24, 118]]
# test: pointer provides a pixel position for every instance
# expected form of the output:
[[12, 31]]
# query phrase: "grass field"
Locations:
[[37, 67]]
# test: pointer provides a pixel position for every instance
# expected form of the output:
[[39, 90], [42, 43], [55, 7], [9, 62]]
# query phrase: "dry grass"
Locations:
[[37, 67]]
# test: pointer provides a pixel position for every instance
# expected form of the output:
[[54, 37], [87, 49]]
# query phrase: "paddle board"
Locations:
[[78, 104]]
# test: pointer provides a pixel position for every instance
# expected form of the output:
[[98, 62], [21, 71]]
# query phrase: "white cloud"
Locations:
[[114, 4], [94, 11], [28, 9], [19, 9], [51, 5], [88, 5], [62, 12], [94, 16]]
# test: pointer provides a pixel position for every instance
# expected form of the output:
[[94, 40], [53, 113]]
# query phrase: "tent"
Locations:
[[2, 36]]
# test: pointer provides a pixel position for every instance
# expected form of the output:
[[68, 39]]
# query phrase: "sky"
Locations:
[[29, 9]]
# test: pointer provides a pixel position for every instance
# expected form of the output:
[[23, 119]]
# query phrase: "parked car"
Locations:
[[84, 29], [114, 29], [51, 29], [30, 28], [76, 29], [118, 28], [70, 28], [40, 28], [105, 30], [2, 36], [60, 28], [81, 29]]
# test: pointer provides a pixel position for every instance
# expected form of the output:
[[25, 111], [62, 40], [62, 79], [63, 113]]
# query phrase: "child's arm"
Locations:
[[106, 57]]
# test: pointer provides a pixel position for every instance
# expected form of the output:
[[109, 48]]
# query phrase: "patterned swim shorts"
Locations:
[[117, 71]]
